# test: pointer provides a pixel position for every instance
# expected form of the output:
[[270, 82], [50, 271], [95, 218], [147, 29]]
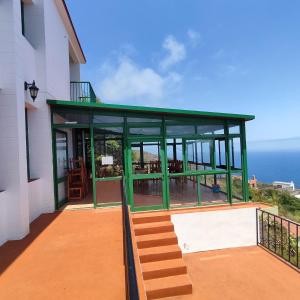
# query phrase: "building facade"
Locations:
[[65, 148], [38, 43]]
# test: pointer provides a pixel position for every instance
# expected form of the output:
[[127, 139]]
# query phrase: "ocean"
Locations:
[[269, 166]]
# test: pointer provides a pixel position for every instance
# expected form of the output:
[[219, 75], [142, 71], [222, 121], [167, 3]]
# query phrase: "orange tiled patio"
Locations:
[[67, 255]]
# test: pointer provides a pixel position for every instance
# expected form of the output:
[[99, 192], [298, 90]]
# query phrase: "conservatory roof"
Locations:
[[150, 110]]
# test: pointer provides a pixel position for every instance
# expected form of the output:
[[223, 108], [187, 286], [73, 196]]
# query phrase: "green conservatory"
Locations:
[[169, 158]]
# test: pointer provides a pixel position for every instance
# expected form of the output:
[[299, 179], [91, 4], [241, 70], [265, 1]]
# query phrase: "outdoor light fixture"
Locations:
[[33, 89]]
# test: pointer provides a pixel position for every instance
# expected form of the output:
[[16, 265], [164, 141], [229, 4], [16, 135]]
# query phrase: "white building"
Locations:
[[290, 186], [38, 42]]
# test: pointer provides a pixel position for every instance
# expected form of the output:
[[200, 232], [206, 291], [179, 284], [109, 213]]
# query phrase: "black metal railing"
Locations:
[[132, 292], [82, 91], [279, 235]]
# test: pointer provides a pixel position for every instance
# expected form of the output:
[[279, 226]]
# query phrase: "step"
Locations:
[[155, 240], [159, 253], [155, 227], [168, 286], [150, 217], [163, 268]]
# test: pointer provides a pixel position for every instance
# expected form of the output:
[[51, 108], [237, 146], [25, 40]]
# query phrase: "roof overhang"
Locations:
[[76, 51], [149, 110]]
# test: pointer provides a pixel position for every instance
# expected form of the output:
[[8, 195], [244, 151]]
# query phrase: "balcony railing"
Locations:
[[82, 91], [279, 235]]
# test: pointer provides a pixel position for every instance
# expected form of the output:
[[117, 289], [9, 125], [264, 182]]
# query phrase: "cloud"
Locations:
[[176, 52], [126, 81], [194, 37]]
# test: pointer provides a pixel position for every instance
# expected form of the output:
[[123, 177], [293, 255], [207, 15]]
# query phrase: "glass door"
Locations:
[[61, 167], [147, 174]]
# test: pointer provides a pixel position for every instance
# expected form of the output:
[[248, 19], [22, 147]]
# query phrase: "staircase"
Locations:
[[163, 268]]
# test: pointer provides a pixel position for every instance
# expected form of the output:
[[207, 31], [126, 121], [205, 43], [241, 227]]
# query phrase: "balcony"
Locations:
[[82, 91]]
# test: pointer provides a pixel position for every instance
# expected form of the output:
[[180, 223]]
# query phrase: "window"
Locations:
[[22, 18]]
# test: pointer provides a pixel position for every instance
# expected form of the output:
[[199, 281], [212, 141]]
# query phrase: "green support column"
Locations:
[[244, 162], [54, 163], [228, 165], [184, 156], [165, 171], [199, 195], [93, 166], [127, 165], [213, 158]]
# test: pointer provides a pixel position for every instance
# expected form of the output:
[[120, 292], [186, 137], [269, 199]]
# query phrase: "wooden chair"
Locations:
[[77, 180]]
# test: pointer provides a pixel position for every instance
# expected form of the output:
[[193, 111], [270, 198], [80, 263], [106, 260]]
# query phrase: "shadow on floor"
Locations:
[[10, 250]]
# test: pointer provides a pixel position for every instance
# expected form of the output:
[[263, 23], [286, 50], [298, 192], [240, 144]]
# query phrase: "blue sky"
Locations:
[[218, 55]]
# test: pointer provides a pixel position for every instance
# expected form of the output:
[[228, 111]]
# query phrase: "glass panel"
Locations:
[[61, 154], [199, 154], [147, 192], [108, 154], [234, 128], [108, 132], [142, 120], [220, 151], [174, 153], [180, 130], [71, 117], [108, 192], [213, 189], [235, 148], [62, 191], [146, 157], [107, 119], [183, 190], [210, 129], [145, 131], [237, 187], [192, 155]]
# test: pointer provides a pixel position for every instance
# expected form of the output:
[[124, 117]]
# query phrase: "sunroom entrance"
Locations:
[[167, 158], [147, 182]]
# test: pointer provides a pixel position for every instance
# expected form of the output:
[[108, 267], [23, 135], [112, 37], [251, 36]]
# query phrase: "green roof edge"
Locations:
[[133, 108]]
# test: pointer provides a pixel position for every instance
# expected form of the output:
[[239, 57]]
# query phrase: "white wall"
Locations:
[[57, 53], [213, 230], [35, 192], [3, 205], [44, 57]]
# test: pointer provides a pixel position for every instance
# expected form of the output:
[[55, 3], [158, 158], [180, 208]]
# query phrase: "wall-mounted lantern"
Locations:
[[33, 89]]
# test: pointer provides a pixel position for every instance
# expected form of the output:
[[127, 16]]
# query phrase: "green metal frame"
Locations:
[[166, 117]]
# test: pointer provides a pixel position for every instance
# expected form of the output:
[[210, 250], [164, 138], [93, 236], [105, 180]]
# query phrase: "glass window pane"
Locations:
[[174, 153], [180, 130], [147, 192], [61, 154], [235, 148], [107, 119], [206, 152], [143, 120], [220, 154], [234, 128], [146, 157], [145, 131], [62, 191], [237, 187], [210, 129], [71, 117], [213, 189], [108, 154], [108, 192], [183, 191]]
